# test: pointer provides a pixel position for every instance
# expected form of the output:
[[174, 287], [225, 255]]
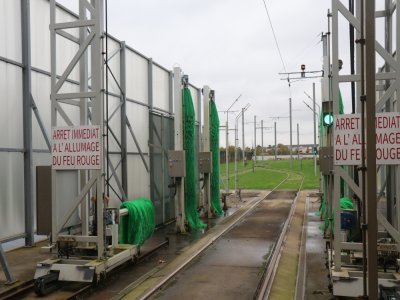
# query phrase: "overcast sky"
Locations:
[[229, 45]]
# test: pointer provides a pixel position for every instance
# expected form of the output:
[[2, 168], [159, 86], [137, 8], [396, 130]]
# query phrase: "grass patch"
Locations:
[[267, 174]]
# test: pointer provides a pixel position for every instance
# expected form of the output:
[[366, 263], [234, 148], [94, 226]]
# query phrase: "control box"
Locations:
[[205, 162], [176, 163], [326, 160]]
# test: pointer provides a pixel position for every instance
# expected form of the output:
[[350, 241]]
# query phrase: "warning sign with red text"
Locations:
[[347, 139], [76, 147]]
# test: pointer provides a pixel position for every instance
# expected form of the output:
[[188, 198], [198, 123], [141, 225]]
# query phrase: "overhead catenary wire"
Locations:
[[273, 32]]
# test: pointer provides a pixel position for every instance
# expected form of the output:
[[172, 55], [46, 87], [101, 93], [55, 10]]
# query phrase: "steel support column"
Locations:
[[275, 140], [178, 136], [93, 41], [243, 152], [83, 87], [6, 269], [315, 131], [27, 122], [124, 147], [371, 201], [206, 148], [262, 140], [255, 140], [290, 128]]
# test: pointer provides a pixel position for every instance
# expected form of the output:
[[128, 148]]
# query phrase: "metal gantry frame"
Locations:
[[91, 21], [387, 101]]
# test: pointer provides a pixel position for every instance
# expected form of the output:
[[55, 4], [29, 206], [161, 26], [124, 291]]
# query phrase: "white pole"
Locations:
[[227, 155], [275, 140], [315, 132], [290, 118], [298, 143], [262, 140]]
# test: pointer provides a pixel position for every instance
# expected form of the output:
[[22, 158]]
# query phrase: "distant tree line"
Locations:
[[249, 152]]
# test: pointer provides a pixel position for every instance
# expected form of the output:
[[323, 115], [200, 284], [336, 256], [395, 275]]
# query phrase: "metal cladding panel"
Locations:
[[136, 77], [40, 34], [139, 118], [138, 178], [11, 194], [40, 39], [10, 30], [195, 99], [115, 123], [161, 88], [11, 101], [114, 65]]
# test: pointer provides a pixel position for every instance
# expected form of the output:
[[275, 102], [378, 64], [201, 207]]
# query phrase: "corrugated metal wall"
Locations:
[[138, 111]]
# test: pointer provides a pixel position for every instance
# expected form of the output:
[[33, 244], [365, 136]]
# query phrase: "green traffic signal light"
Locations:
[[328, 119]]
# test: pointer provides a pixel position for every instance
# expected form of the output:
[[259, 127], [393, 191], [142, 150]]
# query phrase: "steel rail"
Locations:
[[270, 271], [28, 286], [156, 287]]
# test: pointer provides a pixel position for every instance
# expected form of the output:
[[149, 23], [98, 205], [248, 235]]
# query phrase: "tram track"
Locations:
[[69, 290], [158, 290], [269, 276], [85, 291]]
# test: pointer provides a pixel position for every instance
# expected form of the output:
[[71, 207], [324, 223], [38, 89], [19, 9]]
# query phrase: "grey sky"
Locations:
[[228, 45]]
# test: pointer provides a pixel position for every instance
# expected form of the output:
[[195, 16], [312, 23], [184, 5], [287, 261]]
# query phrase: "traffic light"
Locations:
[[315, 151], [327, 114]]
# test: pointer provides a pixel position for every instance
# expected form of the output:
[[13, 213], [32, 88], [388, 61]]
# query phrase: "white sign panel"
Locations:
[[347, 139], [76, 147]]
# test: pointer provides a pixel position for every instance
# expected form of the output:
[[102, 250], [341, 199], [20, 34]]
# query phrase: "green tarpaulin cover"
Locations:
[[214, 147], [189, 142]]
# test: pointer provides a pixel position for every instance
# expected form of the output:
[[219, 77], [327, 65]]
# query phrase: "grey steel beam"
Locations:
[[74, 60], [27, 122], [198, 91], [150, 83], [83, 111], [73, 24], [10, 61], [124, 147], [41, 125], [370, 44], [137, 144], [114, 172], [68, 36], [170, 93], [22, 150], [3, 261]]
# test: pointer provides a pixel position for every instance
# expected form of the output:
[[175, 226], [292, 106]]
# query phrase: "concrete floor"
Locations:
[[23, 260], [232, 266]]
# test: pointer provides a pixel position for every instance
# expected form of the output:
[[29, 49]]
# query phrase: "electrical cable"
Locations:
[[305, 50], [273, 32]]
